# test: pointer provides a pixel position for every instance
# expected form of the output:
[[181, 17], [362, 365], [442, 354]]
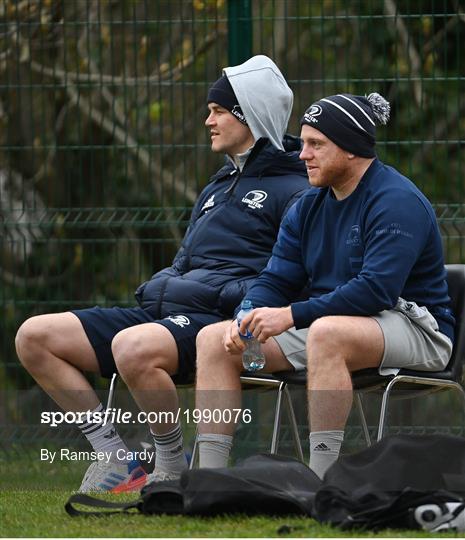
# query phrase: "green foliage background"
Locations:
[[103, 147]]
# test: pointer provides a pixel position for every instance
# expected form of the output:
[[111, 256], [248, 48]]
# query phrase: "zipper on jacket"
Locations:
[[160, 296], [188, 252], [232, 187], [229, 191]]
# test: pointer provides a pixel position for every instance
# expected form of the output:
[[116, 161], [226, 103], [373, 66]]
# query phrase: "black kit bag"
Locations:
[[403, 481], [383, 485], [261, 484]]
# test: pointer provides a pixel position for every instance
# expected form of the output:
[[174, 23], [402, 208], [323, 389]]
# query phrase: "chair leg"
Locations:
[[384, 406], [282, 390], [276, 428], [293, 424], [195, 450], [277, 419], [111, 391], [461, 391], [387, 392], [359, 404]]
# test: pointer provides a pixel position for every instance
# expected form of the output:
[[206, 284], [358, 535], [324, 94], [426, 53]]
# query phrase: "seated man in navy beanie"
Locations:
[[368, 240], [233, 227]]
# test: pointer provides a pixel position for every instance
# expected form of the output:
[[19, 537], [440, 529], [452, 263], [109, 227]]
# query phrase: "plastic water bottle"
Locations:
[[253, 358]]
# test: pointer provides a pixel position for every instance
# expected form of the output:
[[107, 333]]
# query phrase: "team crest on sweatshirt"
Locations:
[[354, 237]]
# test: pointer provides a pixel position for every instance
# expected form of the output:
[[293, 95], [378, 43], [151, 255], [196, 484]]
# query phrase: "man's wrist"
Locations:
[[289, 317]]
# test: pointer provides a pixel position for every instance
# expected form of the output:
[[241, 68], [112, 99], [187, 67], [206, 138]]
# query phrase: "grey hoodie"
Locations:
[[264, 96]]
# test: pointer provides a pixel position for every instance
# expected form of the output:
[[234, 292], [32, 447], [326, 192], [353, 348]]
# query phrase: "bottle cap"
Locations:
[[246, 304]]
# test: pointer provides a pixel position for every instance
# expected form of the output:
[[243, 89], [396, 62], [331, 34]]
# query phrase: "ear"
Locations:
[[350, 156]]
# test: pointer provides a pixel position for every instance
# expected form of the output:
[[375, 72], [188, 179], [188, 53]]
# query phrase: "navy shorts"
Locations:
[[102, 324]]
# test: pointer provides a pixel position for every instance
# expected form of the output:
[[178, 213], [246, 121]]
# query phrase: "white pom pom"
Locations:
[[380, 107]]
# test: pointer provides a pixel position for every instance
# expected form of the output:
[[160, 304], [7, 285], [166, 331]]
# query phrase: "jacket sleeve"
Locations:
[[284, 276], [396, 230], [178, 258], [232, 294]]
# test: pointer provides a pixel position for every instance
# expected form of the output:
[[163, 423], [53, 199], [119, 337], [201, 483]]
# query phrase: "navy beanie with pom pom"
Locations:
[[349, 121]]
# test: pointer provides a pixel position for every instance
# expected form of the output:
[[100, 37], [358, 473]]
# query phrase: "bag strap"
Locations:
[[93, 502]]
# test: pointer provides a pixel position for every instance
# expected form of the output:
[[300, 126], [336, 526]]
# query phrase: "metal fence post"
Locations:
[[239, 31]]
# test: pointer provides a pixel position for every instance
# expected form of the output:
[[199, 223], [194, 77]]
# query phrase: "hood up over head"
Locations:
[[264, 97]]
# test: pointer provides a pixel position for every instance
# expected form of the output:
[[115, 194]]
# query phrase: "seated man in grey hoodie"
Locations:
[[233, 227]]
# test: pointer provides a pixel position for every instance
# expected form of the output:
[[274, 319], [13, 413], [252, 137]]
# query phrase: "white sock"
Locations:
[[169, 451], [324, 450], [214, 449], [104, 438]]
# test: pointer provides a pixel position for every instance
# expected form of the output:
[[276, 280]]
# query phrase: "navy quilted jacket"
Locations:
[[233, 228]]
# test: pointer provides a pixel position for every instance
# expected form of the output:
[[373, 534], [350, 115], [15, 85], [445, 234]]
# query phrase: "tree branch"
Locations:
[[439, 130], [431, 44], [172, 75], [407, 40]]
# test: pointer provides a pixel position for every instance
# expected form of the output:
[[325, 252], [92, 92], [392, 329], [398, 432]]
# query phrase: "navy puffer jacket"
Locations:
[[233, 228]]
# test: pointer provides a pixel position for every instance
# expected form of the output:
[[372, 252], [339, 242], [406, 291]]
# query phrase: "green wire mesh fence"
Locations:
[[103, 144]]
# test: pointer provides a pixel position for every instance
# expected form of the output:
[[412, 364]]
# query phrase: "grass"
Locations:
[[32, 505], [41, 514]]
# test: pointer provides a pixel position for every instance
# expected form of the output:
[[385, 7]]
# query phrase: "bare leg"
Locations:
[[219, 387], [218, 384], [55, 350], [336, 346], [146, 356]]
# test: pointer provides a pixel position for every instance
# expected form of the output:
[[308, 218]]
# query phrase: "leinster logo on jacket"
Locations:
[[254, 198]]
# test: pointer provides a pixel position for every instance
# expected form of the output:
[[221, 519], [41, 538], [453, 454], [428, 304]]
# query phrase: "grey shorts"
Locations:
[[412, 340]]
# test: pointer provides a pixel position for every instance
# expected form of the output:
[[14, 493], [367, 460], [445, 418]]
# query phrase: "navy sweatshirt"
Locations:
[[361, 253]]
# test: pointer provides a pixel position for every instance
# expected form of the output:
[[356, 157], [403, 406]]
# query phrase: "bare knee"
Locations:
[[31, 339], [325, 332], [324, 344], [128, 352], [211, 354], [209, 343], [137, 355], [211, 337], [338, 341]]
